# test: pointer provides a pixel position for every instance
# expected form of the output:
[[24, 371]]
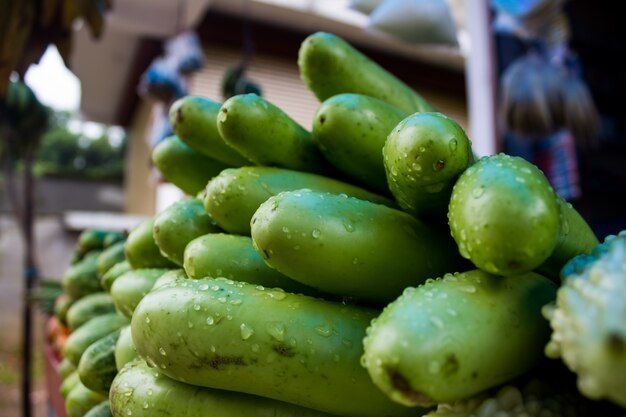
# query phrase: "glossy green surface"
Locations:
[[141, 249], [350, 247], [132, 286], [242, 337], [457, 336], [96, 368], [88, 307]]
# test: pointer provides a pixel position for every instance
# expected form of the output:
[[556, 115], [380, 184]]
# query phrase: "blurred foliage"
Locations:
[[45, 295], [67, 154]]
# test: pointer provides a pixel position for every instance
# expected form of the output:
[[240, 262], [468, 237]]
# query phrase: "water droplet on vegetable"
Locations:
[[246, 331]]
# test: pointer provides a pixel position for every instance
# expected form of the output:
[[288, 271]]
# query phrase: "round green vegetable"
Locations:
[[81, 279], [424, 155], [125, 351], [170, 276], [330, 66], [96, 368], [349, 247], [141, 249], [88, 333], [139, 391], [69, 383], [230, 256], [351, 130], [101, 410], [114, 273], [88, 307], [179, 224], [109, 257], [241, 337], [194, 120], [264, 134], [233, 196], [81, 399], [131, 287], [184, 167], [458, 335], [66, 368]]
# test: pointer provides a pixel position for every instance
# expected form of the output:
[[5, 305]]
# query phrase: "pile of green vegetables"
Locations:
[[371, 267]]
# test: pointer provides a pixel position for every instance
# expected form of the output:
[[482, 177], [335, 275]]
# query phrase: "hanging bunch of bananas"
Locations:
[[27, 27]]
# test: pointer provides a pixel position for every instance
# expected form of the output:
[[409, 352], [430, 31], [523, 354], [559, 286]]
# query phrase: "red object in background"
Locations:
[[53, 380]]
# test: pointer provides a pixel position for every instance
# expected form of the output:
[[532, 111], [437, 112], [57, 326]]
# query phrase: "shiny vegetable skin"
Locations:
[[96, 368], [458, 335], [81, 279], [109, 257], [184, 167], [245, 338], [232, 197], [507, 220], [179, 224], [88, 307], [141, 392], [114, 273], [141, 249], [330, 66], [424, 155], [81, 399], [125, 351], [90, 332], [170, 276], [194, 120], [504, 215], [66, 368], [351, 130], [131, 287], [264, 134], [349, 247], [101, 410], [230, 256], [69, 383]]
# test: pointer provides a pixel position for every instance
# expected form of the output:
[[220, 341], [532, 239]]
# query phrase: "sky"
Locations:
[[54, 84]]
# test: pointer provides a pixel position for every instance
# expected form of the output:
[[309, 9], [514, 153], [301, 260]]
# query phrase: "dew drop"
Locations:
[[316, 233], [236, 302], [147, 320], [196, 307], [204, 287], [210, 320], [478, 192], [453, 145], [246, 331], [324, 331], [277, 331], [162, 351], [348, 226]]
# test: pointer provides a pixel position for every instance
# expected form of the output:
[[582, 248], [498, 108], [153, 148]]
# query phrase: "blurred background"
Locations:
[[536, 78]]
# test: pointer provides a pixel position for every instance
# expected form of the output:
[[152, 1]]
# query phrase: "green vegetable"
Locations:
[[349, 247], [88, 307], [221, 255], [81, 399], [88, 333], [141, 392], [194, 120], [351, 130], [69, 383], [458, 335], [96, 368], [233, 196], [589, 320], [330, 66], [101, 410], [125, 351], [109, 257], [131, 287], [61, 305], [91, 239], [241, 337], [264, 134], [141, 249], [424, 155], [66, 368], [182, 166], [170, 276], [114, 273], [179, 224], [81, 279], [506, 218], [112, 238]]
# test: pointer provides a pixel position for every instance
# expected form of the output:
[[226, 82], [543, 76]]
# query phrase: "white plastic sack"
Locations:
[[415, 21], [365, 6]]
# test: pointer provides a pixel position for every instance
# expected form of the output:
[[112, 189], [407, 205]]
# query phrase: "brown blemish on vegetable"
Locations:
[[179, 115], [451, 365], [284, 350], [401, 384], [219, 361], [616, 343]]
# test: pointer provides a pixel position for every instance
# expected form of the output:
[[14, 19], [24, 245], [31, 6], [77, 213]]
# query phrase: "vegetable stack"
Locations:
[[312, 273]]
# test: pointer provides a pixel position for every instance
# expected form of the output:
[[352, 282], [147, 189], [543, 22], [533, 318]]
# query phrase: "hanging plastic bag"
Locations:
[[365, 6], [162, 81], [185, 51], [415, 21]]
